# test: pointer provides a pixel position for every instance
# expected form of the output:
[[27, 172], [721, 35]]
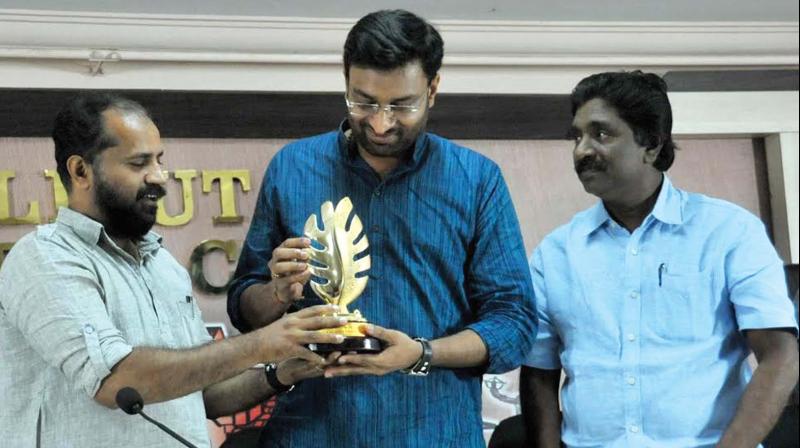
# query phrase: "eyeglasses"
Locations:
[[399, 111]]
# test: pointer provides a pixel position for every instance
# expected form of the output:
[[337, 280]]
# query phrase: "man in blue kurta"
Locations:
[[651, 300], [448, 262]]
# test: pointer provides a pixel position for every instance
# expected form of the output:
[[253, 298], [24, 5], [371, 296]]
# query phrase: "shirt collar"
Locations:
[[92, 232], [350, 152], [668, 209], [669, 205]]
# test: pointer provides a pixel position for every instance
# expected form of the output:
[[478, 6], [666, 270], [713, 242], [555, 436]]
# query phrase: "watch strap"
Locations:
[[423, 365], [271, 372]]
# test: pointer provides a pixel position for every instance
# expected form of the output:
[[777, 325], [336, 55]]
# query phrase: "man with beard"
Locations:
[[92, 303], [448, 264], [652, 300]]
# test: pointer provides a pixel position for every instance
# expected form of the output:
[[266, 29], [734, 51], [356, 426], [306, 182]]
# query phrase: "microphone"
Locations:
[[129, 400]]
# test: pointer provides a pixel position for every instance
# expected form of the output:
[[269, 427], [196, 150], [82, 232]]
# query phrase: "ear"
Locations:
[[651, 154], [433, 87], [80, 172]]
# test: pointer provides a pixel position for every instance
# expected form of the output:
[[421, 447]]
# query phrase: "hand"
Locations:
[[400, 352], [290, 271], [294, 370], [288, 336]]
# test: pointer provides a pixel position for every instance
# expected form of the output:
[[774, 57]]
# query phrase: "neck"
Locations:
[[381, 165], [125, 243], [631, 212]]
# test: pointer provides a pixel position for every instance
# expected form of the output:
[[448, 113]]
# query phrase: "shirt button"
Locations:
[[88, 329], [377, 192], [631, 337], [634, 251], [634, 429], [634, 295], [630, 380]]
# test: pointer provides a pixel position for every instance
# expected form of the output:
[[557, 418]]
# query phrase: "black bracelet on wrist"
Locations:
[[271, 372]]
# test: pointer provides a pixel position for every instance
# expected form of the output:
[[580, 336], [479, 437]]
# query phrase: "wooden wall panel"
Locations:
[[544, 188]]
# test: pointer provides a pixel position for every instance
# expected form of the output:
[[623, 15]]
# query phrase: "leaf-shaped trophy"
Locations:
[[333, 260]]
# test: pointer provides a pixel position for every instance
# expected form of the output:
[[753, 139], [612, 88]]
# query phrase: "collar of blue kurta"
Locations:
[[668, 209], [350, 152], [92, 232]]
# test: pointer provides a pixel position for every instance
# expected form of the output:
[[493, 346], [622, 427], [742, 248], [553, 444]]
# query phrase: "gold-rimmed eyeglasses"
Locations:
[[399, 111]]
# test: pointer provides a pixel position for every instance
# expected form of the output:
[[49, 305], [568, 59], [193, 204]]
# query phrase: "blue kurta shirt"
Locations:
[[647, 325], [446, 253]]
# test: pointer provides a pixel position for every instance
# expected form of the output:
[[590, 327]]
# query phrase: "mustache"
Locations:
[[590, 163], [388, 133], [157, 190]]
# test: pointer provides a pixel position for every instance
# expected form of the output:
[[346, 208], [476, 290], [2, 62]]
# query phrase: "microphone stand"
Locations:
[[166, 430]]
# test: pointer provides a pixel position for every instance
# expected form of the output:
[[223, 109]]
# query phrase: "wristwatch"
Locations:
[[423, 365], [271, 372]]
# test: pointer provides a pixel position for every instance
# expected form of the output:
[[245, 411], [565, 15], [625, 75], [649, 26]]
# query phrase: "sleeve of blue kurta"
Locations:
[[498, 281], [56, 303], [262, 238], [546, 350], [756, 281]]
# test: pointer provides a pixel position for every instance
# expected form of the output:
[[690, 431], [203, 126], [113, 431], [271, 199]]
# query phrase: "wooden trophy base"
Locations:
[[357, 344], [354, 339]]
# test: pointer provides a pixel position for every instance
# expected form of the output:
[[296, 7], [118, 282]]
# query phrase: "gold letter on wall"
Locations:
[[231, 250], [5, 204], [185, 176], [227, 197], [59, 192]]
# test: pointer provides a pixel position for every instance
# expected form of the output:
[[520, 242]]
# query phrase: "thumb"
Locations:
[[379, 332], [309, 356]]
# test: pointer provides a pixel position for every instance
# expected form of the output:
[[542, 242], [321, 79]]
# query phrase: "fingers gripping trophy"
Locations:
[[334, 269]]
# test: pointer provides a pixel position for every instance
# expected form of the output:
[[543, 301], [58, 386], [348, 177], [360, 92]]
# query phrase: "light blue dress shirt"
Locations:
[[647, 325]]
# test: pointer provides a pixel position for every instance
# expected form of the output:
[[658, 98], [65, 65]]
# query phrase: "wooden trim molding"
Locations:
[[191, 114]]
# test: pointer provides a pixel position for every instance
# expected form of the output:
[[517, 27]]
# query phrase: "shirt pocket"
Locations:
[[680, 310], [187, 306], [188, 326]]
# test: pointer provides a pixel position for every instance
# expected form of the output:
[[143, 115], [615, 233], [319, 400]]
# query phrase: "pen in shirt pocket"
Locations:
[[662, 268]]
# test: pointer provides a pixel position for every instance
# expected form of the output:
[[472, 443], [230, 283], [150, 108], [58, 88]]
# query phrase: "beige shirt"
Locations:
[[72, 305]]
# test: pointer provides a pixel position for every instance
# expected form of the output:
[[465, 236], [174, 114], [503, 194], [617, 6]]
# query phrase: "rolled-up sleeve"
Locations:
[[546, 350], [756, 281], [262, 238], [498, 281], [56, 303]]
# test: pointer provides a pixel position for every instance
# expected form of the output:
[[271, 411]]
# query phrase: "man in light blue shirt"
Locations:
[[651, 300]]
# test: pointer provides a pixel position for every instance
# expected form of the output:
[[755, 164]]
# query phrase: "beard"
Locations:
[[124, 218], [404, 137]]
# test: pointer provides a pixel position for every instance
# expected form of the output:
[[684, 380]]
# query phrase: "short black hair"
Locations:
[[641, 100], [79, 128], [389, 39]]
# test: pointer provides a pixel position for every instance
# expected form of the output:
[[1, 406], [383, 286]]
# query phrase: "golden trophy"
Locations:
[[333, 260]]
